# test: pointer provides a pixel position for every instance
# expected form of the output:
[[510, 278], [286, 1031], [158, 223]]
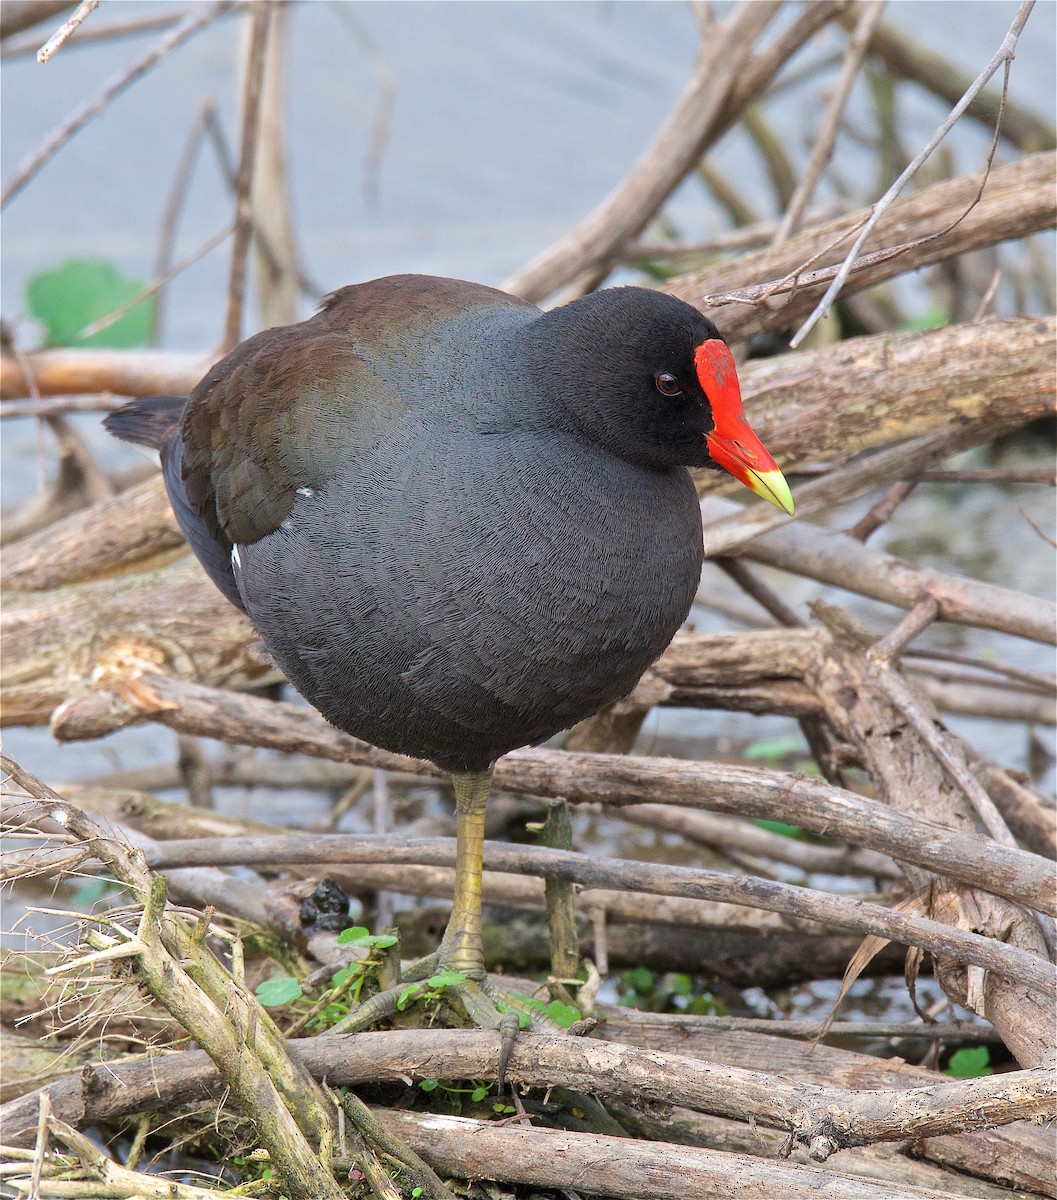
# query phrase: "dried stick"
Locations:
[[869, 18], [261, 17], [63, 33], [739, 295], [824, 1119], [190, 982], [693, 883], [879, 659], [17, 15], [908, 59], [613, 779], [59, 406], [96, 33], [1004, 54], [838, 559], [679, 143], [197, 19], [881, 511]]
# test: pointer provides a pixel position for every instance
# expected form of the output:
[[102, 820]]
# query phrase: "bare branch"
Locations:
[[1004, 54], [196, 20]]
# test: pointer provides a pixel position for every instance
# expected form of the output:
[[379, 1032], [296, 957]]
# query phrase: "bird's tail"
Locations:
[[148, 421]]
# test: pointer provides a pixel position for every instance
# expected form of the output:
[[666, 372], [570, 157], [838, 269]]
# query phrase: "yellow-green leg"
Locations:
[[461, 947]]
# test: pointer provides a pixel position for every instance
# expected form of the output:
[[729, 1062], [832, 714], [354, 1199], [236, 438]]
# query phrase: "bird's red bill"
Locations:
[[732, 443]]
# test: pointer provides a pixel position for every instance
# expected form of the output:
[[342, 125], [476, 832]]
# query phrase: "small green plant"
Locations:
[[429, 990], [283, 989], [358, 936], [79, 292], [563, 1015], [347, 981], [254, 1167], [970, 1062], [673, 992], [476, 1090]]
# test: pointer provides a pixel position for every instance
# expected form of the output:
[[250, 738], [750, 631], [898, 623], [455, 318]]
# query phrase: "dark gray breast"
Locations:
[[454, 595]]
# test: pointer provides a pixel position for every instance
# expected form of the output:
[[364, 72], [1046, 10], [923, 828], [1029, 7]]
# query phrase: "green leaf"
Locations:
[[640, 979], [478, 1094], [415, 1193], [353, 936], [771, 749], [339, 977], [789, 831], [409, 993], [75, 294], [429, 1085], [282, 990], [356, 935], [382, 940], [563, 1014], [444, 979], [969, 1062]]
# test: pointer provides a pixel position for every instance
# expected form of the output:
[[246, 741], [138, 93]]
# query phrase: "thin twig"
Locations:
[[62, 34], [881, 512], [111, 317], [197, 19], [260, 28], [60, 405], [988, 296], [1004, 54], [1045, 536], [386, 80], [98, 33], [177, 197], [827, 134]]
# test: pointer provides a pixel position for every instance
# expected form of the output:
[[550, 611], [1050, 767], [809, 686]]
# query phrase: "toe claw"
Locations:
[[508, 1029]]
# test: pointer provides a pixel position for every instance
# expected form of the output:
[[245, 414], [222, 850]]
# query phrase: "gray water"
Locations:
[[511, 121]]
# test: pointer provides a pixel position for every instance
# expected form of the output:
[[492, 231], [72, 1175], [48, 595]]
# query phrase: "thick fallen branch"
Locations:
[[618, 780], [843, 561], [858, 915], [287, 1107], [772, 288], [824, 1119]]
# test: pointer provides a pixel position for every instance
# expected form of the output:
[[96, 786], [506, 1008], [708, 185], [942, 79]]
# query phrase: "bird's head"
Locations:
[[652, 380]]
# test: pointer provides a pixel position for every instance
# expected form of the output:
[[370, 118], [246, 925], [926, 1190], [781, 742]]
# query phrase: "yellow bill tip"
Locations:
[[771, 485]]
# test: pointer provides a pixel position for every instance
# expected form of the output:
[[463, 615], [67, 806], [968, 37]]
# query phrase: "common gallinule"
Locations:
[[458, 523]]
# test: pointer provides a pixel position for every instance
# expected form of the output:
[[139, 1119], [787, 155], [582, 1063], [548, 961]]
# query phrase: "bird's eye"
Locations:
[[667, 384]]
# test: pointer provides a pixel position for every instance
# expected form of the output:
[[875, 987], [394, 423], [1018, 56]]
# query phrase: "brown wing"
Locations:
[[288, 406]]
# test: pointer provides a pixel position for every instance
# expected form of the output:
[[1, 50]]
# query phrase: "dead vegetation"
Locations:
[[922, 855]]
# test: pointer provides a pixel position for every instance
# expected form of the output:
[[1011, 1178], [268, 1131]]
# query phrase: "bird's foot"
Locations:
[[470, 994]]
